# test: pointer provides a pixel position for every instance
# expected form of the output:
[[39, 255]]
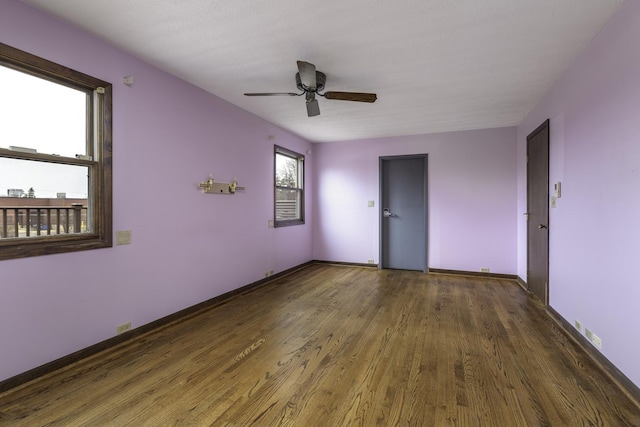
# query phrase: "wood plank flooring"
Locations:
[[339, 346]]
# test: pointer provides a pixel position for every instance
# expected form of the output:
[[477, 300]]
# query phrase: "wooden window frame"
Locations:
[[99, 148], [301, 180]]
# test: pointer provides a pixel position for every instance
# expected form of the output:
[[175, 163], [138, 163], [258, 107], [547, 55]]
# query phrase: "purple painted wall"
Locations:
[[472, 198], [594, 232], [168, 136]]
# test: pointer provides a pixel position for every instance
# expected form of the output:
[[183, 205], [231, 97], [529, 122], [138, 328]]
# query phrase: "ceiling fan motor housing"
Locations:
[[321, 78]]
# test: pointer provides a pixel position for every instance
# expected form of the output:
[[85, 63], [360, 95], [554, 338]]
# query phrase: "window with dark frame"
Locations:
[[55, 158], [289, 187]]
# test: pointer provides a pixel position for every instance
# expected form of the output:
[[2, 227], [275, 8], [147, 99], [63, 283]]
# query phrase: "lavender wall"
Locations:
[[54, 305], [594, 232], [472, 198], [168, 136]]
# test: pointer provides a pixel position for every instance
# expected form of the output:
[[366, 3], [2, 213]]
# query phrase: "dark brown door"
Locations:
[[538, 212]]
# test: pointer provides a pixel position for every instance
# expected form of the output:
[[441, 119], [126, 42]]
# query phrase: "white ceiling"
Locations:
[[436, 65]]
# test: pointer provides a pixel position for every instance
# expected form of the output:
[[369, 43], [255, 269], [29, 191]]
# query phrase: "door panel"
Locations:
[[403, 229], [538, 212]]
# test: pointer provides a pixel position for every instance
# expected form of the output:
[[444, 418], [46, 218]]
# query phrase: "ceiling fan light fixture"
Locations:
[[310, 96], [321, 78]]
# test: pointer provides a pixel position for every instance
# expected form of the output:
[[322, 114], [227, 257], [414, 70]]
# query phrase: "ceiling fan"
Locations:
[[311, 83]]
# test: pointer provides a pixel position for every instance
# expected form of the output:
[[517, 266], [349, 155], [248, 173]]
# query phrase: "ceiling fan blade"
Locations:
[[273, 94], [313, 109], [307, 74], [351, 96]]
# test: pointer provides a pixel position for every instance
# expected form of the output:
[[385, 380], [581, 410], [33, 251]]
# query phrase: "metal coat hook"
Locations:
[[212, 187]]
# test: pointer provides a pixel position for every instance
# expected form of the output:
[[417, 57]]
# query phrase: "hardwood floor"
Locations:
[[337, 346]]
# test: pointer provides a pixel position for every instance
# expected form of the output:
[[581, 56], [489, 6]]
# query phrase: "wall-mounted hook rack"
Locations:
[[212, 187]]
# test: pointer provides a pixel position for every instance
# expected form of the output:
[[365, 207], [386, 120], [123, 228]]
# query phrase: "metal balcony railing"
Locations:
[[27, 221]]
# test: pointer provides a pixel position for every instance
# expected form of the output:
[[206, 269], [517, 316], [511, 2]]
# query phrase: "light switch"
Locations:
[[370, 203], [557, 188]]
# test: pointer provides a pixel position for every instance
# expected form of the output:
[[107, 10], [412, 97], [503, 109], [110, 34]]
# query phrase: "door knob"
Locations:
[[386, 213], [542, 226]]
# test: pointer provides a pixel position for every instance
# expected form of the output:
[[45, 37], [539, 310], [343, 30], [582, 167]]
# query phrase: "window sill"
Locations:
[[288, 223]]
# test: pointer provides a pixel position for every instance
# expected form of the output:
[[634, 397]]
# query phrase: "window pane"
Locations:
[[48, 180], [287, 204], [289, 192], [42, 199], [286, 171], [39, 114]]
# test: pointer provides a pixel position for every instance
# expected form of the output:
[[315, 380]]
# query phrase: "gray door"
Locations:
[[403, 212], [538, 212]]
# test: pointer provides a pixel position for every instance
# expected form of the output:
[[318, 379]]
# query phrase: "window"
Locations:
[[289, 187], [55, 158]]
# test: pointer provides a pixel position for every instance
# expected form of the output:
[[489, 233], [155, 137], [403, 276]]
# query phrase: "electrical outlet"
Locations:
[[578, 325], [596, 340], [588, 334], [123, 237], [270, 272], [123, 328], [270, 223], [266, 274], [484, 270], [370, 261]]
